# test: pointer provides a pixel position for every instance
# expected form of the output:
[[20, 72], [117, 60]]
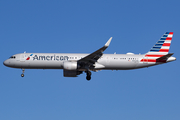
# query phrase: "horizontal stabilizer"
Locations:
[[165, 57]]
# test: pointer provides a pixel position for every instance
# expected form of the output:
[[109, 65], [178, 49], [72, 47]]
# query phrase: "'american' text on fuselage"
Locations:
[[58, 58]]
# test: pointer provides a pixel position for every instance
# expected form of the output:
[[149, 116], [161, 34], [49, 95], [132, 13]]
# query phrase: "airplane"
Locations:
[[75, 64]]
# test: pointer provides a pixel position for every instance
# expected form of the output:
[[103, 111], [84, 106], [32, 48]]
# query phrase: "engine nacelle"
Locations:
[[70, 65], [71, 73]]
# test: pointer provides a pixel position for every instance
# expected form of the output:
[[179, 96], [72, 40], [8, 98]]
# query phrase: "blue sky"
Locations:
[[83, 27]]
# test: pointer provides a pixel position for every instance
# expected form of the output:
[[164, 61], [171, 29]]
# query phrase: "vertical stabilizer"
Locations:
[[163, 45], [160, 49]]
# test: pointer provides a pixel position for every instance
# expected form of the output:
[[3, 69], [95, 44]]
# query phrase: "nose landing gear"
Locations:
[[22, 75]]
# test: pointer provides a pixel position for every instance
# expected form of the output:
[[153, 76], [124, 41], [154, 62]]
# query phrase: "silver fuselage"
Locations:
[[56, 60]]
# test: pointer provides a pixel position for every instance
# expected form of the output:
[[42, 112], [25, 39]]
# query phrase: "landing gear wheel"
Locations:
[[88, 77], [22, 75]]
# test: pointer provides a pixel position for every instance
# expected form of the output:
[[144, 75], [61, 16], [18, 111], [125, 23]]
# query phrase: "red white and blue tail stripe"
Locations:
[[160, 49], [163, 45]]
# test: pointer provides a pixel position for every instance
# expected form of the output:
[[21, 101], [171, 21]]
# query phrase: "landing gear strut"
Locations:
[[88, 77], [22, 75]]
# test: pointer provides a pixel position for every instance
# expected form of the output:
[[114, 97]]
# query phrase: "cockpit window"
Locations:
[[13, 57]]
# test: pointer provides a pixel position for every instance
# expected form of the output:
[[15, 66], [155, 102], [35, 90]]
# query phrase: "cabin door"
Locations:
[[22, 57]]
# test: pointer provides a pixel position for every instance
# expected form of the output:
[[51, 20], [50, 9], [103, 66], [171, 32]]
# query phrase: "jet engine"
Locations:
[[71, 73], [70, 69], [70, 65]]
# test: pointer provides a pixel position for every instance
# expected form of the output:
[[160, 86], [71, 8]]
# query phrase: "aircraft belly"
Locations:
[[143, 65]]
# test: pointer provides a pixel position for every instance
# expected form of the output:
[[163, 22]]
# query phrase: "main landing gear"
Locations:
[[88, 77], [22, 75]]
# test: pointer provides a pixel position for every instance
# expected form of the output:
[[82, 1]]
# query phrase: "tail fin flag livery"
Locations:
[[163, 45], [160, 49], [74, 64]]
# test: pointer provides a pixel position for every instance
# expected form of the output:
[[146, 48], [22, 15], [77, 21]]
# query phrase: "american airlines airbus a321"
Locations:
[[75, 64]]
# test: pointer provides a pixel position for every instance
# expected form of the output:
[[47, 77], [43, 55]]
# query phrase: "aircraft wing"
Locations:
[[90, 59]]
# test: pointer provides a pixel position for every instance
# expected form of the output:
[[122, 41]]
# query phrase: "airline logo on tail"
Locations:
[[160, 49], [163, 44]]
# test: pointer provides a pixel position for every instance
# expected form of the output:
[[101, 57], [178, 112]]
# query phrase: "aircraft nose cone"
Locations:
[[6, 62]]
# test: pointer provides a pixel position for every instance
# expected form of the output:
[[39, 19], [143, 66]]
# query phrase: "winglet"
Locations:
[[108, 42]]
